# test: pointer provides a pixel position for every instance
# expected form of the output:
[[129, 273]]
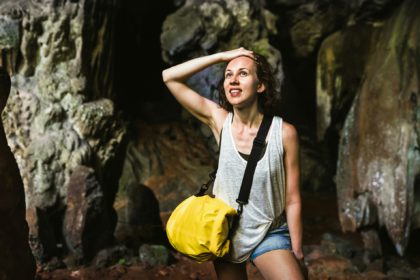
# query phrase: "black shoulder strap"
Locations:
[[212, 175], [257, 148]]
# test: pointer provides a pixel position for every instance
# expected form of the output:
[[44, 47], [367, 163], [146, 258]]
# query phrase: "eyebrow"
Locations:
[[243, 68]]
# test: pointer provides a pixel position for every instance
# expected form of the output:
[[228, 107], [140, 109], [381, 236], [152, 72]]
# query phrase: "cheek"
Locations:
[[225, 85]]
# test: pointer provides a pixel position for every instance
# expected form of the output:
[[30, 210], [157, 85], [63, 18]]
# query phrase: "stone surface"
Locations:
[[16, 259], [171, 159], [154, 255], [113, 255], [60, 113], [311, 21], [202, 27], [302, 26], [88, 224], [379, 159], [339, 74], [139, 217], [43, 237], [315, 167]]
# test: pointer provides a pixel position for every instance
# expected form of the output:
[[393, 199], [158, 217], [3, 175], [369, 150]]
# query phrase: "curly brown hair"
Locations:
[[269, 100]]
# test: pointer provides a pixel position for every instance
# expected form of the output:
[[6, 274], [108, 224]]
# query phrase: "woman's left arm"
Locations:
[[293, 199]]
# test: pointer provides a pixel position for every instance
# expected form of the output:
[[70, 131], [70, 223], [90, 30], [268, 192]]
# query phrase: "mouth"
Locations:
[[234, 92]]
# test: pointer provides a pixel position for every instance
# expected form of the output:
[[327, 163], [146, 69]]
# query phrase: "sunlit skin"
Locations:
[[242, 87]]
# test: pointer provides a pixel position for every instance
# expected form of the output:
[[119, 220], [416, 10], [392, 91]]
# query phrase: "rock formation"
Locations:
[[16, 259], [375, 79], [60, 114]]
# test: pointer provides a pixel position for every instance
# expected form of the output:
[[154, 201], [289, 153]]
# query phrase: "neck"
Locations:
[[249, 117]]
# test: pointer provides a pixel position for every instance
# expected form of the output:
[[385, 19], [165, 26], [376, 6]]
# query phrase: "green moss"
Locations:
[[261, 46]]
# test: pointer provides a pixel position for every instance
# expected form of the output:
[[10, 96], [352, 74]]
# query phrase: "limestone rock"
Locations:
[[60, 113], [88, 224], [379, 159], [16, 259], [340, 66], [171, 159], [154, 255], [305, 23], [139, 217], [211, 26], [113, 255]]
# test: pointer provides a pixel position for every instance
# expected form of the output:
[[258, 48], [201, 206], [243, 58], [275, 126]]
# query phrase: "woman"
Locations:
[[247, 92]]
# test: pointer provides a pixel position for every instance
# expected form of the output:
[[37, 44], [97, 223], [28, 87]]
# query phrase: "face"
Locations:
[[241, 83]]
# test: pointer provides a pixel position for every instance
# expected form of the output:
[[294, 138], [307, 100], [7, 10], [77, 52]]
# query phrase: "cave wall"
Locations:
[[16, 259], [60, 115], [373, 76]]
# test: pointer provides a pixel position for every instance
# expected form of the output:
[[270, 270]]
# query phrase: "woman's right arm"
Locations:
[[202, 108], [175, 79]]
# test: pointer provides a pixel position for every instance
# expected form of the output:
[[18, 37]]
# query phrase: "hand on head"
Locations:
[[232, 54]]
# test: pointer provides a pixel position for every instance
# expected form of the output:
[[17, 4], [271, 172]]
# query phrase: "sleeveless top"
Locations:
[[267, 197]]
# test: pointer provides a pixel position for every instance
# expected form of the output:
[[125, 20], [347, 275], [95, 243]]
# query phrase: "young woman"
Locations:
[[270, 228]]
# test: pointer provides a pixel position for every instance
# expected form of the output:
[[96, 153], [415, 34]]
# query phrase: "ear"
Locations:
[[260, 88]]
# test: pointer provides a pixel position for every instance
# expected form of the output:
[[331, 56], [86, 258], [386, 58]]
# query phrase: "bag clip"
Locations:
[[240, 207], [205, 187]]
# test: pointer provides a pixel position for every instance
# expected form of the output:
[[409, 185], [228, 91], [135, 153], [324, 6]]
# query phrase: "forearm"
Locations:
[[294, 221], [183, 71]]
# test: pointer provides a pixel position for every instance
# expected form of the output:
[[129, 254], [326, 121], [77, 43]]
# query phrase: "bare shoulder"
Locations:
[[219, 117], [290, 134]]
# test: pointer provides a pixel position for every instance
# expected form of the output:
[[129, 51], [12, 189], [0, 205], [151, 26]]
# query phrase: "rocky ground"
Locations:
[[330, 254]]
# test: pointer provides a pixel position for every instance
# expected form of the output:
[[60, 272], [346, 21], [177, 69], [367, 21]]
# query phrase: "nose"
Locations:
[[234, 79]]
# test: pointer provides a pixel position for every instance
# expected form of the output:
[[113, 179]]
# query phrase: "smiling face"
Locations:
[[241, 84]]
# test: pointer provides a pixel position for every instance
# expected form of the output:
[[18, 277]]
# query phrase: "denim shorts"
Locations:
[[276, 239]]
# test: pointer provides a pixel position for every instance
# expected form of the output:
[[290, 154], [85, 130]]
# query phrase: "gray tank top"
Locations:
[[267, 198]]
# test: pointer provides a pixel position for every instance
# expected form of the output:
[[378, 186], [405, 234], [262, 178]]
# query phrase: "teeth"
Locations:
[[234, 91]]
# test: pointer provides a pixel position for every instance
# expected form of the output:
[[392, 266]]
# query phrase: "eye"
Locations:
[[243, 74], [228, 75]]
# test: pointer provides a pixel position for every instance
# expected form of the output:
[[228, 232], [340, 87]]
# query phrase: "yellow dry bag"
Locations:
[[199, 227]]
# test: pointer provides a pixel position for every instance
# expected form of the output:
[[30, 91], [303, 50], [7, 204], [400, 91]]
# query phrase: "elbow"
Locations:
[[165, 77], [294, 201], [295, 206]]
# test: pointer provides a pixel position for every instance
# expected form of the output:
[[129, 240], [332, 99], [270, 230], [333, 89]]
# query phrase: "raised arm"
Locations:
[[202, 108]]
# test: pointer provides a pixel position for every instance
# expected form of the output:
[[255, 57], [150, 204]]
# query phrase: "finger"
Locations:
[[244, 51], [248, 53]]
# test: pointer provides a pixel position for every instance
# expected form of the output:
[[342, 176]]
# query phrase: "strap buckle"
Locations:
[[240, 207], [212, 175], [206, 186]]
